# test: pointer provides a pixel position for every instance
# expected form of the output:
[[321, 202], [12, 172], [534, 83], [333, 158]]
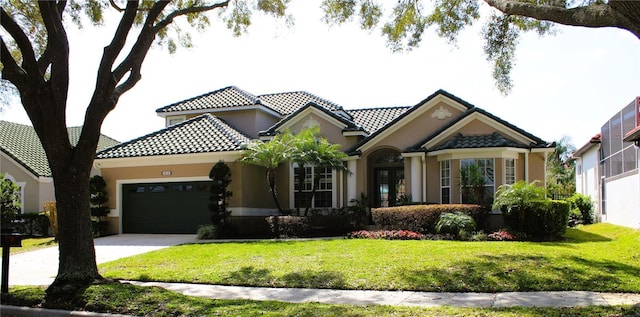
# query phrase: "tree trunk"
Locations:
[[271, 179], [71, 171], [316, 184]]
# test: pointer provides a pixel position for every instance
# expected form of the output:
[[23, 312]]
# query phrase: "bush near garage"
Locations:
[[420, 218], [541, 219], [35, 224]]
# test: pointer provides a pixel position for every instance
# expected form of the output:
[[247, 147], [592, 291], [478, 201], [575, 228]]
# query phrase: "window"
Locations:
[[510, 171], [445, 182], [618, 157], [324, 190], [485, 168]]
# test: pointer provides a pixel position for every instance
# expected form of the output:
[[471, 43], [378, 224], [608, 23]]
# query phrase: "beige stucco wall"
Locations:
[[329, 130], [537, 167], [415, 130], [36, 190], [250, 122]]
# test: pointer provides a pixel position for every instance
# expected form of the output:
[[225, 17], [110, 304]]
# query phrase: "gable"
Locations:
[[477, 123], [333, 126], [417, 122]]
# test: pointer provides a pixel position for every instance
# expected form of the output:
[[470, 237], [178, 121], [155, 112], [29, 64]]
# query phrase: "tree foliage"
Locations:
[[561, 172], [269, 155], [9, 200], [409, 19]]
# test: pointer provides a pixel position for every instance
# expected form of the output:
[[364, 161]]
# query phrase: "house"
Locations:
[[616, 189], [158, 183], [588, 173], [23, 161]]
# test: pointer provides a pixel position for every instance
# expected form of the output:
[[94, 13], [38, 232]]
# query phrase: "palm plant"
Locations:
[[517, 196], [455, 223], [269, 155], [472, 183], [312, 149]]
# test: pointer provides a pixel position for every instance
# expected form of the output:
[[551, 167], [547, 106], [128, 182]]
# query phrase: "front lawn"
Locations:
[[32, 244], [152, 301], [599, 257]]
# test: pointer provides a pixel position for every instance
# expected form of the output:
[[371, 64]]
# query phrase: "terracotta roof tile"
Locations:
[[21, 143], [460, 141], [202, 134], [373, 119], [289, 102], [222, 98]]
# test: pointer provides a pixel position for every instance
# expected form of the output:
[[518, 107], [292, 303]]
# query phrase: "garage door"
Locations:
[[165, 207]]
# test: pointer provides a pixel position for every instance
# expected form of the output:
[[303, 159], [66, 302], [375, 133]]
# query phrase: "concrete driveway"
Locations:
[[40, 267]]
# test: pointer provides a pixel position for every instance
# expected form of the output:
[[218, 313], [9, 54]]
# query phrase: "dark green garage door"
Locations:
[[165, 207]]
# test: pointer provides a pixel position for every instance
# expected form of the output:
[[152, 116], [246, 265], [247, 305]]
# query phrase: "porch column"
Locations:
[[352, 180], [416, 178]]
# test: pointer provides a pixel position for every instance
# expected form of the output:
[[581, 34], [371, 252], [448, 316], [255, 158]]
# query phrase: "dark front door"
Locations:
[[389, 187]]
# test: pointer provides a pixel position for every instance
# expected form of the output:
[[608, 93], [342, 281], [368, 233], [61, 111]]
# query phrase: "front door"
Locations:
[[389, 187]]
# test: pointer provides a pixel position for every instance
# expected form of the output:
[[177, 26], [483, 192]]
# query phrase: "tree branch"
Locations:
[[58, 44], [11, 71], [166, 21], [26, 49], [595, 16]]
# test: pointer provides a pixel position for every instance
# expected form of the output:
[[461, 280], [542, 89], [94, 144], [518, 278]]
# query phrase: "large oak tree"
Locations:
[[35, 59]]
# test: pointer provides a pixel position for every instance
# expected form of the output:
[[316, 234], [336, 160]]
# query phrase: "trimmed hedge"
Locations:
[[420, 218], [541, 220], [288, 226]]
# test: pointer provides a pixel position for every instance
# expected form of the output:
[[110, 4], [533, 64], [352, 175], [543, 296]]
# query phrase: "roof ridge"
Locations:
[[378, 108], [242, 92]]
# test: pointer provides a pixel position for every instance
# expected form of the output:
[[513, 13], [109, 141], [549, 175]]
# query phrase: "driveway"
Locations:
[[40, 267]]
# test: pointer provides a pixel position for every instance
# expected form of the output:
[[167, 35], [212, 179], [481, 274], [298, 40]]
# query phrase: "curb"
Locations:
[[18, 311]]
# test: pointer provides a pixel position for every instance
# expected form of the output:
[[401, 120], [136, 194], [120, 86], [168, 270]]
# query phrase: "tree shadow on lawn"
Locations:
[[250, 276], [576, 235], [496, 273]]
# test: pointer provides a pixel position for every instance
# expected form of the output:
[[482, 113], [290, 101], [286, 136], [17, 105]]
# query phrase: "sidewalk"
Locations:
[[400, 298]]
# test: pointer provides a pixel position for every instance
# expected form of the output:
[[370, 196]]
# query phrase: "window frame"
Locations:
[[491, 186], [444, 177], [333, 183]]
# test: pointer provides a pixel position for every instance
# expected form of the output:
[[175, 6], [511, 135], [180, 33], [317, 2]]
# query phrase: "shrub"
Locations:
[[288, 226], [9, 200], [418, 218], [208, 232], [540, 219], [35, 224], [582, 205], [51, 211], [457, 224]]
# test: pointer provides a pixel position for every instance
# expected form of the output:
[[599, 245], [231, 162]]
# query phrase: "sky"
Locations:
[[569, 84]]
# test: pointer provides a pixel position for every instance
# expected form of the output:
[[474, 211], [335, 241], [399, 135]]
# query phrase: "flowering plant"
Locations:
[[501, 235], [387, 235]]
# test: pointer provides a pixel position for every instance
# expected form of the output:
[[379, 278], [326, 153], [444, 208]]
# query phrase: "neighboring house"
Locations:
[[616, 190], [24, 162], [158, 183], [588, 173]]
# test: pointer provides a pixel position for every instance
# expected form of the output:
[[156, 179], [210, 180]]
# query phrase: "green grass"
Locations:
[[599, 257], [149, 301], [34, 244]]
